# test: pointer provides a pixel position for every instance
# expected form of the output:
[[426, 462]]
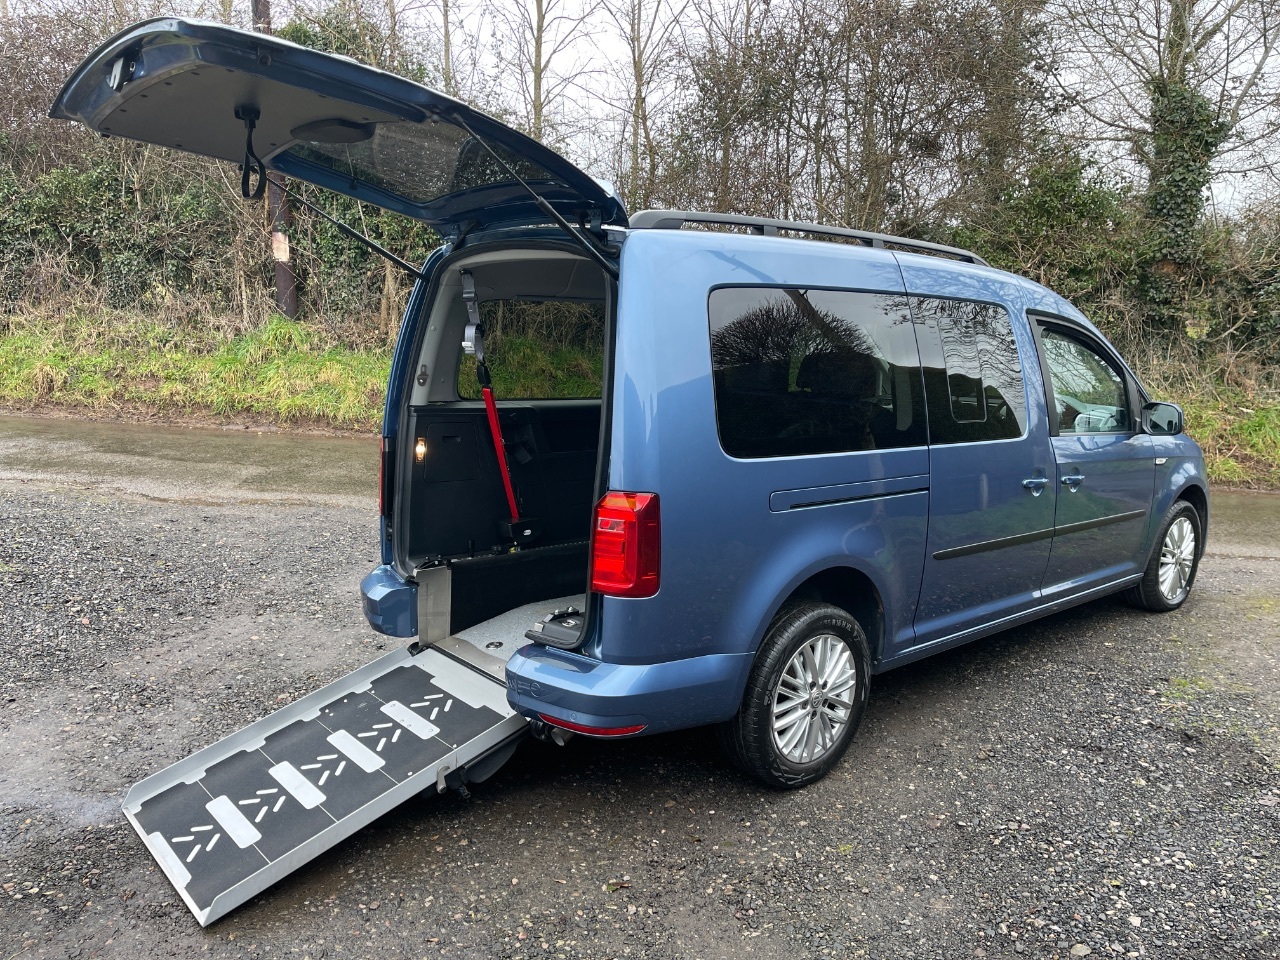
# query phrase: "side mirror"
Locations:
[[1162, 419]]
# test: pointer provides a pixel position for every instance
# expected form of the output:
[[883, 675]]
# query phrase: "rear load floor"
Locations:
[[504, 634]]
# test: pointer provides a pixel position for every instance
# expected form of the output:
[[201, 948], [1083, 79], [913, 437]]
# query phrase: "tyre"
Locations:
[[804, 699], [1172, 568]]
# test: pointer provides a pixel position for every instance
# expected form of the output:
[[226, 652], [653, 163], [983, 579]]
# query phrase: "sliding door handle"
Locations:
[[1073, 481], [1036, 485]]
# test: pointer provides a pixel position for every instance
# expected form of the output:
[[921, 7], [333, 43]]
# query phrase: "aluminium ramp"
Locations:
[[229, 821]]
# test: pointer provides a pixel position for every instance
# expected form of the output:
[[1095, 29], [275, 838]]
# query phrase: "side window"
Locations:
[[813, 371], [1088, 392], [973, 376]]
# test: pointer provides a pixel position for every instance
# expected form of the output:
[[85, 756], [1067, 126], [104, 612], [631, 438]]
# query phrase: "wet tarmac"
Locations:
[[1244, 523], [206, 464]]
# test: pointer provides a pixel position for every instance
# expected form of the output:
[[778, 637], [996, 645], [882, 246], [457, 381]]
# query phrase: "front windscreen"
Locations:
[[418, 161]]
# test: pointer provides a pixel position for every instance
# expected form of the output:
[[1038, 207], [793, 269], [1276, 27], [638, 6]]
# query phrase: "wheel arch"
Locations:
[[1198, 497], [851, 590]]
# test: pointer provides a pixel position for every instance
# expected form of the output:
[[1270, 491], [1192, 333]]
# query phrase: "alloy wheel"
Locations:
[[813, 699], [1177, 557]]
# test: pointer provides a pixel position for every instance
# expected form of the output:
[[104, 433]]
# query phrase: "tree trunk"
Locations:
[[446, 75], [539, 30], [279, 210], [1186, 133]]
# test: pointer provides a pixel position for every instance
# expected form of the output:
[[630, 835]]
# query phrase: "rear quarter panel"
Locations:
[[728, 559]]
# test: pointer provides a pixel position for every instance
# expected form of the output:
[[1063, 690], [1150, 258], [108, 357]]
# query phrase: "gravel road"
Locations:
[[1102, 783]]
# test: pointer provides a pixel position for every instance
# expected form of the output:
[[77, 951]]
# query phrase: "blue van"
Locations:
[[767, 461], [810, 462]]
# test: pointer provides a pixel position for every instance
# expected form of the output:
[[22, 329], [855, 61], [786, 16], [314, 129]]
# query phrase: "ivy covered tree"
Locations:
[[1189, 86], [1186, 135]]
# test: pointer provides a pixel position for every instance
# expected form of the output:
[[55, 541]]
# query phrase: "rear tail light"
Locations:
[[626, 545], [384, 478]]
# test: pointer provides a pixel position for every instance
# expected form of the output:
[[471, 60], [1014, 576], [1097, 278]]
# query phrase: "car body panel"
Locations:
[[667, 695], [390, 602], [1101, 522], [989, 535], [1179, 474], [401, 375], [716, 509], [1105, 479]]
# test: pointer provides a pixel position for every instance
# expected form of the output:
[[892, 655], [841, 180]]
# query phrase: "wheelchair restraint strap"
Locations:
[[495, 430], [474, 341]]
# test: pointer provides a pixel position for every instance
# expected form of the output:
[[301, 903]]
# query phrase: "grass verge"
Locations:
[[282, 372], [1240, 436]]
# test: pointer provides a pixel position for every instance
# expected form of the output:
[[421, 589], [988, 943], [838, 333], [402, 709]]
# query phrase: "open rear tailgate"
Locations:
[[325, 119]]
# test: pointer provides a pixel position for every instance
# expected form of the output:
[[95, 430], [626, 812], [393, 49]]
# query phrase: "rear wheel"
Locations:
[[1172, 568], [804, 699]]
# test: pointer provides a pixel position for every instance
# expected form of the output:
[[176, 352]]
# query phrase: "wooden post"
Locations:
[[279, 210]]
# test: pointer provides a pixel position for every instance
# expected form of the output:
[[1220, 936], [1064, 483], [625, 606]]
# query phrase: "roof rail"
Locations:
[[675, 219]]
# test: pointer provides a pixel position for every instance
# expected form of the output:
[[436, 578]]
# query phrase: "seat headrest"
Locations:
[[842, 372]]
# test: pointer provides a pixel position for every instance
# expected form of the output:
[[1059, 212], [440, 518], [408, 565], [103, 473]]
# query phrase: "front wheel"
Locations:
[[1172, 568], [804, 699]]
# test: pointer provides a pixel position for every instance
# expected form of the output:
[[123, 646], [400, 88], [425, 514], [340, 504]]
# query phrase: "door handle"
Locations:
[[1036, 485], [1073, 480]]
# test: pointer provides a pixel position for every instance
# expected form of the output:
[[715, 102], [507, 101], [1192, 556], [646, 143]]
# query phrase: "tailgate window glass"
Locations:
[[813, 371], [539, 350], [417, 161]]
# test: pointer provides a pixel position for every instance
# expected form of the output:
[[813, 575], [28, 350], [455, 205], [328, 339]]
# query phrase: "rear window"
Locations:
[[801, 372], [418, 161], [539, 350]]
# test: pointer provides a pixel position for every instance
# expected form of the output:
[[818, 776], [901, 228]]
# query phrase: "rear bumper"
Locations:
[[660, 696], [390, 602]]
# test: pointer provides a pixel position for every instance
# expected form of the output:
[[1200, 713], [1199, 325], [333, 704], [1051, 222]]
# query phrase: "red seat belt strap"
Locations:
[[500, 448]]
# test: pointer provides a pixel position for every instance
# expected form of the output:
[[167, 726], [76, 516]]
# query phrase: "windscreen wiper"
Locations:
[[593, 251]]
